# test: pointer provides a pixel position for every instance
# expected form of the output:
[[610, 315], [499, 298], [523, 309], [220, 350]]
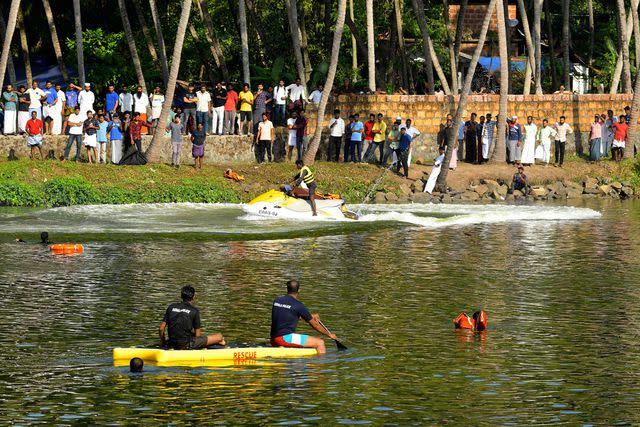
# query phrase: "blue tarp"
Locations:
[[492, 63]]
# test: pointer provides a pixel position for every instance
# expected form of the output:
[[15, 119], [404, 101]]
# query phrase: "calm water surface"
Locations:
[[559, 284]]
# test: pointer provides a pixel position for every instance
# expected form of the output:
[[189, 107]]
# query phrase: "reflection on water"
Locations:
[[559, 286]]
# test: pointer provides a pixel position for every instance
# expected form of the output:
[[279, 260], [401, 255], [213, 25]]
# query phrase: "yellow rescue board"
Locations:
[[191, 357]]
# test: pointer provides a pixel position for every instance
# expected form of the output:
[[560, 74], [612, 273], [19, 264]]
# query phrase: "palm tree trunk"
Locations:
[[453, 59], [310, 155], [617, 73], [10, 67], [537, 44], [8, 36], [530, 50], [294, 30], [505, 6], [304, 44], [566, 43], [212, 38], [459, 26], [592, 34], [153, 152], [77, 19], [441, 183], [161, 47], [636, 35], [354, 46], [132, 44], [24, 45], [500, 153], [634, 133], [54, 39], [552, 63], [244, 41], [147, 35], [403, 55], [371, 47], [258, 26], [204, 63], [328, 6], [431, 59], [624, 46]]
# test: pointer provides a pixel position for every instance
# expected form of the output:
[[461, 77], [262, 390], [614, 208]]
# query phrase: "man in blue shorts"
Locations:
[[285, 313], [183, 320]]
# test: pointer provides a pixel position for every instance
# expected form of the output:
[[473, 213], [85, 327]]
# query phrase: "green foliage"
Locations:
[[67, 191], [18, 194]]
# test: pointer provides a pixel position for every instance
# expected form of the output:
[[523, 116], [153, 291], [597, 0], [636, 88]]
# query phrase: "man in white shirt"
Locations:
[[56, 127], [487, 137], [140, 104], [74, 123], [562, 128], [157, 100], [36, 96], [265, 138], [126, 101], [316, 95], [86, 98], [203, 107], [336, 132], [413, 133], [280, 94], [297, 95]]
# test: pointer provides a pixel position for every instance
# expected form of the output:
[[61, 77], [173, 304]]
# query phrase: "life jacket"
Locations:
[[478, 322], [231, 174], [309, 177]]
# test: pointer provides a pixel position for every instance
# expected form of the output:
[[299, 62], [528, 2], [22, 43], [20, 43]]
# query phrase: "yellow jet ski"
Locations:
[[278, 204]]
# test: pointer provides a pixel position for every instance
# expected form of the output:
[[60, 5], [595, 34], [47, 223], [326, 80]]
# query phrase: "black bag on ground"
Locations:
[[133, 157]]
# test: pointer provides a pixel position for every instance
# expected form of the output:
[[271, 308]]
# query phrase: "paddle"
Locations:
[[340, 346]]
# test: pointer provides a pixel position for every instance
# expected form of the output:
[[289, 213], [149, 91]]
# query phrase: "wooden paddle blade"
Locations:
[[341, 347]]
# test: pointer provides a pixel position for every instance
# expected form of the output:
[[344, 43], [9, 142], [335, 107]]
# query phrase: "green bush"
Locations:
[[67, 191], [18, 194]]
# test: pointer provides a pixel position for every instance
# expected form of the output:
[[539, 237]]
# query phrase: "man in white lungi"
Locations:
[[487, 137], [59, 107], [545, 135], [529, 142], [86, 98], [10, 100], [23, 109]]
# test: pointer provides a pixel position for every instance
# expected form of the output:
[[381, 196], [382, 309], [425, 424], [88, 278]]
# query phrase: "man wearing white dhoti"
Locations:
[[435, 172], [487, 137], [86, 98], [10, 100], [23, 109], [58, 114], [529, 142], [545, 135]]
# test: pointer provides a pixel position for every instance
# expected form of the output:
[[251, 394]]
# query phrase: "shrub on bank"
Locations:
[[19, 194]]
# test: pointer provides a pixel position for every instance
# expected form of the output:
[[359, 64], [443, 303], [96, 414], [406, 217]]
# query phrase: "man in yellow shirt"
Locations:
[[379, 136], [246, 104]]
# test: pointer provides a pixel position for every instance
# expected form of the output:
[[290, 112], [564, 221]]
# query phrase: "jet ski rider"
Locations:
[[305, 175]]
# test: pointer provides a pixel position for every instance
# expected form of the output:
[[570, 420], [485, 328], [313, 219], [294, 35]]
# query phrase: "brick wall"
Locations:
[[474, 16], [428, 112]]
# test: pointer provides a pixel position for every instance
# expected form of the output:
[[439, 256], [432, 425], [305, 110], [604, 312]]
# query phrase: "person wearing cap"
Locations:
[[519, 181], [529, 142], [86, 98], [514, 139]]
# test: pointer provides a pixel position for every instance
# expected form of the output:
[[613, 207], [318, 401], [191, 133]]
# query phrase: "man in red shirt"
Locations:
[[230, 107], [620, 130], [368, 132], [34, 128], [135, 130]]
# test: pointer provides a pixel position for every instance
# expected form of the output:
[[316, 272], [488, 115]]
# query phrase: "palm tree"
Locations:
[[624, 46], [10, 68], [531, 62], [310, 155], [244, 41], [163, 51], [6, 46], [397, 7], [132, 44], [636, 34], [617, 73], [500, 153], [592, 31], [24, 44], [634, 138], [452, 51], [441, 183], [294, 29], [147, 34], [212, 38], [354, 46], [371, 52], [54, 39], [537, 44], [77, 19], [431, 59], [153, 152], [304, 43], [566, 43]]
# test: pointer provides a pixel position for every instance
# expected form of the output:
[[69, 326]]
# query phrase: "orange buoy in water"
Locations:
[[66, 248], [477, 322]]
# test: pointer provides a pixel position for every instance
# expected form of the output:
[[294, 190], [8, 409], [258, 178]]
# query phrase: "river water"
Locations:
[[559, 285]]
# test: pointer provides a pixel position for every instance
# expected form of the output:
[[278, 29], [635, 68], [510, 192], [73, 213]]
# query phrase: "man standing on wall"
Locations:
[[259, 107], [230, 106], [297, 95], [125, 100], [203, 107], [189, 103], [111, 103], [219, 98]]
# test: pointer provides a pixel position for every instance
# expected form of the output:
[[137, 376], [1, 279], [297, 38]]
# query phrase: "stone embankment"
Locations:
[[485, 190]]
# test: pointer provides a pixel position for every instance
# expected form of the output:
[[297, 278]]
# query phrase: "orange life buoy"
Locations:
[[66, 248], [477, 322]]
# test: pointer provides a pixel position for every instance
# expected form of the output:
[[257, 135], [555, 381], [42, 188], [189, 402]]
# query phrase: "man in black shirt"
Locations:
[[183, 320], [218, 99], [285, 313]]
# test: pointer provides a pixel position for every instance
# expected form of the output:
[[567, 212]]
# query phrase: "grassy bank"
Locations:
[[51, 183]]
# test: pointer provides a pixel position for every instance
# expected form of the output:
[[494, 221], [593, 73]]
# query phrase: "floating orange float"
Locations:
[[477, 322], [66, 248]]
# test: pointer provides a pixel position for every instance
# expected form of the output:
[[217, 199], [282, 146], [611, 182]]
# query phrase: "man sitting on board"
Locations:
[[285, 313], [183, 320]]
